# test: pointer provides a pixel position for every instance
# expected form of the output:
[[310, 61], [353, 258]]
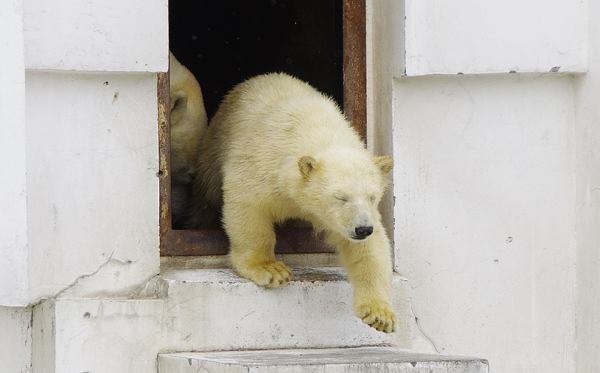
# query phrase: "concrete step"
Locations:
[[346, 360], [313, 311], [206, 310]]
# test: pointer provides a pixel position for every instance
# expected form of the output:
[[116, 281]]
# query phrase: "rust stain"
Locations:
[[164, 208], [355, 66], [164, 142]]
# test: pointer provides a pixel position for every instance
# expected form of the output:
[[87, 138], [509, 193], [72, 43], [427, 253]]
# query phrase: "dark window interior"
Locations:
[[224, 42]]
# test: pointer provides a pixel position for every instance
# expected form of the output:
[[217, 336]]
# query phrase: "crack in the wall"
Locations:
[[81, 277], [155, 287], [412, 310], [152, 288]]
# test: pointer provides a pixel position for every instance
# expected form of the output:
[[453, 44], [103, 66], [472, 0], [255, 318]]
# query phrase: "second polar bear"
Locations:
[[188, 124], [278, 149]]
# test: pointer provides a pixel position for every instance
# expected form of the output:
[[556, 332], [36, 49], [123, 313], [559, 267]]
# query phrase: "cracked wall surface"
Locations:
[[92, 185], [80, 89]]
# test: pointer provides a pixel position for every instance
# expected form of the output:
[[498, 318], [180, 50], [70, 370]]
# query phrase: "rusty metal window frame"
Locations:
[[289, 240]]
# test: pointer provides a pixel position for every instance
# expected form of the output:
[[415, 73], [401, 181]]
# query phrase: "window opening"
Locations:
[[227, 41]]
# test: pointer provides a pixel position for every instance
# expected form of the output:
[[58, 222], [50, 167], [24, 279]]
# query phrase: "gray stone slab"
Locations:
[[359, 359], [323, 274], [206, 310], [215, 309]]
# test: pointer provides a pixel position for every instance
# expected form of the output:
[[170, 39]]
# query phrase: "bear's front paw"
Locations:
[[271, 274], [378, 315]]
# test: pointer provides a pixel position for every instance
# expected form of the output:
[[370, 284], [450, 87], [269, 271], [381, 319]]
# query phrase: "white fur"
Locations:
[[278, 149], [188, 125]]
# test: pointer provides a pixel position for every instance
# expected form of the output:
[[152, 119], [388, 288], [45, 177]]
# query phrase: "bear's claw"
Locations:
[[378, 317], [272, 274]]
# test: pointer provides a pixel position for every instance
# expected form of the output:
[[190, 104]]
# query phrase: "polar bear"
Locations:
[[279, 149], [188, 125]]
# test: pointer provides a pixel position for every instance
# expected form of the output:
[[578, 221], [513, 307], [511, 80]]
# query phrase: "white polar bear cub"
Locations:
[[279, 149]]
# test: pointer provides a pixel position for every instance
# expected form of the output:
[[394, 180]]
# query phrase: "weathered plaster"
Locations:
[[108, 35], [343, 360], [15, 339], [13, 191], [484, 36], [92, 185], [205, 310], [587, 97], [485, 215]]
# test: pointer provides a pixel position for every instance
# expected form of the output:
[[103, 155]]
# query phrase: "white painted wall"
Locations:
[[91, 223], [385, 59], [108, 35], [15, 340], [78, 192], [92, 155], [587, 97], [487, 36], [485, 215], [497, 176], [13, 199], [79, 200]]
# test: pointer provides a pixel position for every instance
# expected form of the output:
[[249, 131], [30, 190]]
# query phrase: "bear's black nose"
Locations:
[[363, 232]]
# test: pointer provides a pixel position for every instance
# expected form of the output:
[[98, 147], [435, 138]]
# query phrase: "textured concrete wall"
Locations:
[[587, 98], [80, 193], [13, 198], [15, 339], [496, 177], [486, 36], [92, 203], [110, 35], [485, 215]]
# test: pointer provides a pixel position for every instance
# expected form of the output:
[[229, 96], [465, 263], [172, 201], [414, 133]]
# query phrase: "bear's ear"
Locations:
[[179, 100], [384, 164], [307, 165]]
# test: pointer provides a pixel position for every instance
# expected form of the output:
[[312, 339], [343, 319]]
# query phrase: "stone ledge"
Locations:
[[207, 310], [301, 275], [347, 360], [313, 311]]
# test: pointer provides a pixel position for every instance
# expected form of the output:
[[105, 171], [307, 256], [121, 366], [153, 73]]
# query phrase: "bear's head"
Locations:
[[341, 189]]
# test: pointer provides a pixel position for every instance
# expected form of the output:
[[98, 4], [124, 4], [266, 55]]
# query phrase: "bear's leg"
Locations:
[[252, 251], [369, 269]]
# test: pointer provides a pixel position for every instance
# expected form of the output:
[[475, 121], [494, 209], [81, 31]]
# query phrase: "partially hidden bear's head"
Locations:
[[341, 188]]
